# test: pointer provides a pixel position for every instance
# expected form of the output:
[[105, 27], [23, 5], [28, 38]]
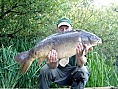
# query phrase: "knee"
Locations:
[[85, 71], [85, 74], [44, 70], [81, 74]]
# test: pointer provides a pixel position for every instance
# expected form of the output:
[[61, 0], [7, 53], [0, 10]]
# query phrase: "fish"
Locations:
[[64, 43]]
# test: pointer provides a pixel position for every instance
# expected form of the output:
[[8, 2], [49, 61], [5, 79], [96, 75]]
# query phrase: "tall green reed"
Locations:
[[10, 70], [102, 73], [9, 77]]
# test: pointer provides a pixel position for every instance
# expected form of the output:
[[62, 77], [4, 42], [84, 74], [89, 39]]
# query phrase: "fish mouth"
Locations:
[[100, 41], [97, 42], [94, 43]]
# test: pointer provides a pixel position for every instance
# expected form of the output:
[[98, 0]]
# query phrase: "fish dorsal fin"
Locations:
[[63, 62], [66, 32], [59, 33]]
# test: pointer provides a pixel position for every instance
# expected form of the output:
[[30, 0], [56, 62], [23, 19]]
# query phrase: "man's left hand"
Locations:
[[82, 49]]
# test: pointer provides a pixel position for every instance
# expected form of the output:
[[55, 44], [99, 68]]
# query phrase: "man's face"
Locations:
[[63, 28]]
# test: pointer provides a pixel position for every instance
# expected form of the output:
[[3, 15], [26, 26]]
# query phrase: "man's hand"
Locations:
[[52, 59], [52, 56], [87, 49], [81, 51]]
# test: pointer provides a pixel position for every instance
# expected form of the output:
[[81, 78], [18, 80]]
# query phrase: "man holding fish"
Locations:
[[74, 74]]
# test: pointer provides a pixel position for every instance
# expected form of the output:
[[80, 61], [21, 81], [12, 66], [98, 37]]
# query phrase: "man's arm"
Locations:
[[81, 51], [81, 60]]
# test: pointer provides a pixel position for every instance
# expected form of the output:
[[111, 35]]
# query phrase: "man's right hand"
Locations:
[[52, 58]]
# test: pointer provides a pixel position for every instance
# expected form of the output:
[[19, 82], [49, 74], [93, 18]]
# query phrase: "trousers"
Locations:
[[72, 76]]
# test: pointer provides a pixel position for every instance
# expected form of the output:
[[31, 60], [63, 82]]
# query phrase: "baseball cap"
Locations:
[[64, 21]]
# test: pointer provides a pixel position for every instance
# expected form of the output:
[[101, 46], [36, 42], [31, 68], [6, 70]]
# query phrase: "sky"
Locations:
[[99, 3]]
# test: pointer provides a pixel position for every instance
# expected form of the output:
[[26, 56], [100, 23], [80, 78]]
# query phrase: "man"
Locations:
[[74, 74]]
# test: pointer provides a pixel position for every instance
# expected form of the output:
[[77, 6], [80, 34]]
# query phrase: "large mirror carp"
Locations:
[[64, 43]]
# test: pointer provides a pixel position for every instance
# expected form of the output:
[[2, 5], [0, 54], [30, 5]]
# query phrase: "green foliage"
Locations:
[[26, 18], [102, 74], [8, 68], [24, 23], [10, 71]]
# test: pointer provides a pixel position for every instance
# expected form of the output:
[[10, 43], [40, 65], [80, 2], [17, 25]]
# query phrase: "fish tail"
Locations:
[[25, 66], [24, 59]]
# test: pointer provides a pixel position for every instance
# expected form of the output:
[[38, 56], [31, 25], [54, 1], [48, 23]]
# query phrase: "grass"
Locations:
[[102, 74]]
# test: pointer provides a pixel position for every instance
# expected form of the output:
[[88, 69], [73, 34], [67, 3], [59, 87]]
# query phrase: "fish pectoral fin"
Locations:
[[63, 62], [40, 61]]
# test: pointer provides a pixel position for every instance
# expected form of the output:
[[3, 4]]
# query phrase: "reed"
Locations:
[[102, 73]]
